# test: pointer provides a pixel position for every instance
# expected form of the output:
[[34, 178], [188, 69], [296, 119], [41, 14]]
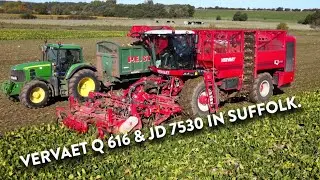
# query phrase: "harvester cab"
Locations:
[[173, 49], [173, 52]]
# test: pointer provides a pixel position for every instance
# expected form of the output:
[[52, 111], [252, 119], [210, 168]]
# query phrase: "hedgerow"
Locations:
[[23, 34], [283, 146]]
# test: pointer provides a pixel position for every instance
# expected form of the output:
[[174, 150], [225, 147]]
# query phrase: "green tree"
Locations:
[[40, 8], [244, 17], [239, 16], [102, 8], [15, 7], [191, 10], [236, 16], [312, 18], [56, 9], [279, 9], [150, 2]]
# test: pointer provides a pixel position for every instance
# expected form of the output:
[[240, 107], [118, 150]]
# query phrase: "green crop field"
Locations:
[[19, 34], [283, 146], [253, 15]]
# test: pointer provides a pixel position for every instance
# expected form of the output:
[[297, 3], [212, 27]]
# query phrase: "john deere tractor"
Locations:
[[63, 72]]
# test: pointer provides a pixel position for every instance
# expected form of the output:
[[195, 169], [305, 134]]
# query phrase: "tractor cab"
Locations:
[[173, 50], [62, 57]]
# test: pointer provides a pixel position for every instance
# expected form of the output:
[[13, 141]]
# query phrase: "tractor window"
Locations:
[[51, 54], [69, 56], [65, 55]]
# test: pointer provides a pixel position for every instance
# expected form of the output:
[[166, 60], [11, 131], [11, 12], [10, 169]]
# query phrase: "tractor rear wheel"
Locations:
[[262, 88], [193, 97], [35, 94], [83, 82]]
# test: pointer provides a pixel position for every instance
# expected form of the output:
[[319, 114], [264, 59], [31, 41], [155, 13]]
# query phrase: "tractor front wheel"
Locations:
[[193, 97], [35, 94], [83, 82], [262, 88]]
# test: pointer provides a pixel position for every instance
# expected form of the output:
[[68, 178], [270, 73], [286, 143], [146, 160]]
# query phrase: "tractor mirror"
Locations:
[[43, 49], [196, 40]]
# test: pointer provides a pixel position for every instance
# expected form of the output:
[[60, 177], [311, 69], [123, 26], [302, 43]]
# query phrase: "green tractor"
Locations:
[[63, 72]]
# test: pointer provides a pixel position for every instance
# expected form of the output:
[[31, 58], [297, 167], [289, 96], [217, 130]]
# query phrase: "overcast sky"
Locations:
[[302, 4]]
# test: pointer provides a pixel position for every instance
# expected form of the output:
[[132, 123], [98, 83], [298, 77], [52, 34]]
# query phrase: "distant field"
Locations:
[[62, 26], [17, 16], [21, 34], [253, 15], [125, 24], [257, 20]]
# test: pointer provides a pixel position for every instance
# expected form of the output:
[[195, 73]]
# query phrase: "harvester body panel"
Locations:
[[227, 51]]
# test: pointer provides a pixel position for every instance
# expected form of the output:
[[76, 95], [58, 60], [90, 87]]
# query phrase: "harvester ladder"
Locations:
[[249, 61], [209, 80], [211, 91]]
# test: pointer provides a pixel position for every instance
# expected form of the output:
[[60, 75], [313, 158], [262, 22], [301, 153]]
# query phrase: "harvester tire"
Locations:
[[35, 94], [83, 82], [189, 97], [262, 88]]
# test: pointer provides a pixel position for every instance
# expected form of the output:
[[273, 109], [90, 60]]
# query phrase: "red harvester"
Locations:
[[193, 72]]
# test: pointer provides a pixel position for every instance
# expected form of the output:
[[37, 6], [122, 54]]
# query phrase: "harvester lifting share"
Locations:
[[120, 112]]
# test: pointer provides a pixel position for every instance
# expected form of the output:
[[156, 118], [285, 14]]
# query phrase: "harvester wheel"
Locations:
[[191, 97], [83, 82], [35, 94], [262, 88]]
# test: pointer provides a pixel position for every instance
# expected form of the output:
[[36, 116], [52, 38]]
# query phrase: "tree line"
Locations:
[[260, 9], [99, 8], [312, 19]]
